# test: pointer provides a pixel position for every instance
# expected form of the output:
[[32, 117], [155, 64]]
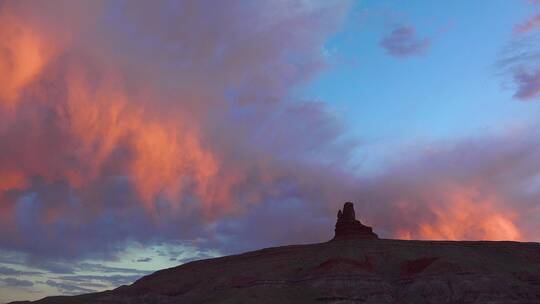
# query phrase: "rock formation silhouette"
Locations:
[[347, 226]]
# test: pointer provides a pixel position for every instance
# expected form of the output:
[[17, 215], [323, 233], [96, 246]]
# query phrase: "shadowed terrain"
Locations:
[[353, 268]]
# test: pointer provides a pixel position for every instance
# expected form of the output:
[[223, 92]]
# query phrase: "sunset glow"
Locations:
[[135, 131]]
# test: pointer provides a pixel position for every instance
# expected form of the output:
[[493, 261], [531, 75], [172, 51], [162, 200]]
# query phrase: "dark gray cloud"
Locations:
[[109, 280], [68, 276], [68, 288], [70, 272], [52, 266], [403, 41], [196, 257], [92, 267], [11, 271], [13, 282]]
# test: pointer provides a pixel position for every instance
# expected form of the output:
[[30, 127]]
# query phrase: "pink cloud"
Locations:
[[156, 122], [528, 26]]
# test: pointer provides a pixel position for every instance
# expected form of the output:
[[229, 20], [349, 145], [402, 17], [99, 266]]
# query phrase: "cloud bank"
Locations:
[[177, 123], [141, 121]]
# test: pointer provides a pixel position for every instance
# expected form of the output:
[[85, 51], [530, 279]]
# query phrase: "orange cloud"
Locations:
[[12, 180], [96, 117], [529, 25], [23, 54], [463, 213], [165, 156]]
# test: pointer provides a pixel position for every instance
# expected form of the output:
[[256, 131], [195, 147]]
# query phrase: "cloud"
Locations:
[[478, 188], [110, 280], [10, 271], [519, 65], [520, 60], [67, 288], [144, 260], [92, 267], [71, 277], [51, 266], [199, 256], [484, 187], [65, 268], [528, 26], [528, 84], [125, 125], [403, 42], [13, 282]]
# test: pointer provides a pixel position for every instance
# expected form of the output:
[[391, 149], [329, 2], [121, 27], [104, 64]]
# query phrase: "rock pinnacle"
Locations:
[[348, 227]]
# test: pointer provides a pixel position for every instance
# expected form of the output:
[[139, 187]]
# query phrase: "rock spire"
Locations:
[[348, 227]]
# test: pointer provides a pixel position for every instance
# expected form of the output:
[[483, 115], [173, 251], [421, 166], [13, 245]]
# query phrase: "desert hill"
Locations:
[[355, 267]]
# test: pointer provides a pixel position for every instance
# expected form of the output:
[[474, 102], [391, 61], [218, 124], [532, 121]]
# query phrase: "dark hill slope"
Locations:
[[355, 267], [346, 271]]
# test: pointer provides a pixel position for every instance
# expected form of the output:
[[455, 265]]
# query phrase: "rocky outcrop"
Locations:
[[348, 227]]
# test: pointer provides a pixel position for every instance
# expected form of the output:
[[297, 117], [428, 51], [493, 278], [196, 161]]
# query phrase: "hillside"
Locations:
[[354, 267]]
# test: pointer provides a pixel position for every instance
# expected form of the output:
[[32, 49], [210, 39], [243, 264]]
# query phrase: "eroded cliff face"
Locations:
[[355, 267]]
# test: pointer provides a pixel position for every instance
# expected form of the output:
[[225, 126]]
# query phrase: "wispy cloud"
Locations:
[[109, 280], [68, 288], [403, 41], [67, 276], [530, 25], [519, 64], [92, 267], [11, 271], [528, 84], [13, 282]]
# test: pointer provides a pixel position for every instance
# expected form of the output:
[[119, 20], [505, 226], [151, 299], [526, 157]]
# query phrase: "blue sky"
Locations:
[[453, 90]]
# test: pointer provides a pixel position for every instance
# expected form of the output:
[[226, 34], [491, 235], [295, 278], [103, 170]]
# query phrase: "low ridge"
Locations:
[[354, 267]]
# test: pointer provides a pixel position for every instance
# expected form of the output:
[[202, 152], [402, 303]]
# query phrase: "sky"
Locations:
[[140, 135]]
